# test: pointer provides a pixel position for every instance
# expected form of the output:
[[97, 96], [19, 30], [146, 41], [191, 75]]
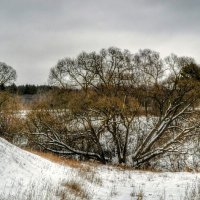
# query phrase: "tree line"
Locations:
[[27, 89]]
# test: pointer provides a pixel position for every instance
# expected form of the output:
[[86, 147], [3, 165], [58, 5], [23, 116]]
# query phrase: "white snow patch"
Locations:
[[22, 172]]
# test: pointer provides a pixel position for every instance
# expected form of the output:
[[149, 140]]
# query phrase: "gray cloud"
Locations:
[[36, 33]]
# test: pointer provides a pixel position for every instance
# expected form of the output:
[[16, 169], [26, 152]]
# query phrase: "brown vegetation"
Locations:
[[57, 159], [108, 92]]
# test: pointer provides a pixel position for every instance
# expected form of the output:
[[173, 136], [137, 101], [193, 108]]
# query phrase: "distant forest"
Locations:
[[26, 89]]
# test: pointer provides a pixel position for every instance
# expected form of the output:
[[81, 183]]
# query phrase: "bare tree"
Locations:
[[175, 121], [113, 89], [67, 132], [108, 74], [8, 104], [7, 74]]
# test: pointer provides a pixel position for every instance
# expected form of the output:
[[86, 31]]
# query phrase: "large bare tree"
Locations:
[[113, 91]]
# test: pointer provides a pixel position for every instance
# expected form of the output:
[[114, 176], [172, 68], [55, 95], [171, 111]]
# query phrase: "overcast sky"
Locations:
[[35, 34]]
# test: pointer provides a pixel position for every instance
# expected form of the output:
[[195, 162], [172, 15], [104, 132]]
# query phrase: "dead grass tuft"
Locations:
[[74, 186], [76, 189]]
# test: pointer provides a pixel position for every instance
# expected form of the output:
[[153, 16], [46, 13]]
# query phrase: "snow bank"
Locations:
[[27, 176], [20, 171]]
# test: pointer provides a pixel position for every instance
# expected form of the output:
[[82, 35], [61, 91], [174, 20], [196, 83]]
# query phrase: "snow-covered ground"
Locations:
[[27, 176]]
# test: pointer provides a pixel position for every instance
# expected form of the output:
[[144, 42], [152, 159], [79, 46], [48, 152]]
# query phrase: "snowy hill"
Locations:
[[21, 171], [27, 176]]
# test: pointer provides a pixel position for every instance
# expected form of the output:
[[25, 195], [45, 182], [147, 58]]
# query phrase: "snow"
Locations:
[[152, 185], [22, 173], [20, 169]]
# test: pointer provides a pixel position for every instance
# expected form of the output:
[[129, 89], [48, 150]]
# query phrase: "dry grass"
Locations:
[[83, 169], [73, 186], [76, 189], [84, 165], [86, 170], [57, 159], [87, 167]]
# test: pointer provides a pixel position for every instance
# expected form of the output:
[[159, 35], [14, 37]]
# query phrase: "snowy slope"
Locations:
[[21, 171], [26, 176]]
